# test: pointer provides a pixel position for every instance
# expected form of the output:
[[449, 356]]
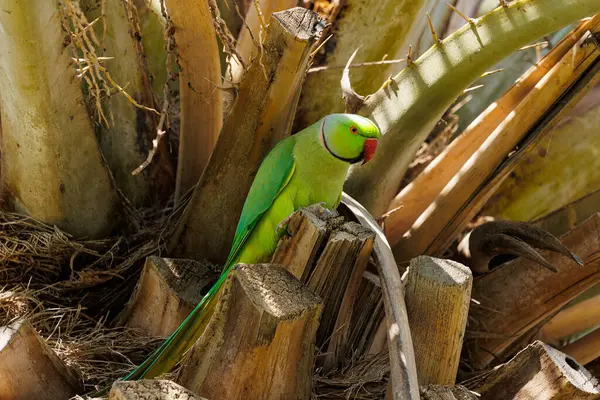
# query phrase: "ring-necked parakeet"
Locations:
[[307, 168]]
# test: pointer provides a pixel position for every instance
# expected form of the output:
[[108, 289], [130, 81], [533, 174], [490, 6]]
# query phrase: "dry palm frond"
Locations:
[[70, 290], [364, 379]]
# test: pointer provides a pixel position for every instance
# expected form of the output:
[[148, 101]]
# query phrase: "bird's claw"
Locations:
[[282, 228]]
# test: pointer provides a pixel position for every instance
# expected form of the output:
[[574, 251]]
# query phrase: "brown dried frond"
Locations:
[[227, 39], [364, 379], [97, 353], [70, 290], [84, 45]]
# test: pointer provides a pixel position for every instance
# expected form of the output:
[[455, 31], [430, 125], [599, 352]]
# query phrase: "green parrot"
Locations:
[[307, 168]]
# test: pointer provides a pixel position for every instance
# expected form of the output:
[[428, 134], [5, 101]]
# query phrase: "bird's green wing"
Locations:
[[273, 175]]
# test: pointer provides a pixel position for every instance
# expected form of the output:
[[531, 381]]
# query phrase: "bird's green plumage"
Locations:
[[272, 177], [307, 168]]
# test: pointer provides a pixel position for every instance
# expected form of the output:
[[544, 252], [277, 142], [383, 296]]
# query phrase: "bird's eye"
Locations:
[[354, 130]]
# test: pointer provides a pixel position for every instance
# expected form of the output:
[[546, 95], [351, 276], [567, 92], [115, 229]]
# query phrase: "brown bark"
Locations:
[[261, 116], [539, 372], [308, 229], [335, 278], [150, 389], [520, 294], [438, 293], [29, 369], [268, 356], [200, 100], [167, 291]]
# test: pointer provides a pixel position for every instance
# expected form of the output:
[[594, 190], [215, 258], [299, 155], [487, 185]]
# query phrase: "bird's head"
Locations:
[[349, 137]]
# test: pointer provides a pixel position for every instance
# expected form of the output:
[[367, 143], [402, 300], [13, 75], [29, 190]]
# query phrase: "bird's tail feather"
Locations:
[[170, 352]]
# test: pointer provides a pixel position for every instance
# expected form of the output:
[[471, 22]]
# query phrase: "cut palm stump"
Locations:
[[308, 229], [519, 295], [167, 291], [538, 372], [336, 278], [271, 354], [29, 369], [438, 293], [150, 389]]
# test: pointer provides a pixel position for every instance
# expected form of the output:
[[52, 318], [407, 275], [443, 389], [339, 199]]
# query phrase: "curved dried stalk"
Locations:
[[127, 139], [410, 105], [415, 198]]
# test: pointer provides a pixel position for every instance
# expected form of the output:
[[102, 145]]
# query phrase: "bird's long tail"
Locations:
[[171, 351]]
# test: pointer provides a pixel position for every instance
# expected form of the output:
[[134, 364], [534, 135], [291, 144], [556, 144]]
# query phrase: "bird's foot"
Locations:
[[282, 228]]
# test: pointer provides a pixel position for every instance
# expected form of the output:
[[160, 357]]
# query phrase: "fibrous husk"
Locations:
[[69, 290]]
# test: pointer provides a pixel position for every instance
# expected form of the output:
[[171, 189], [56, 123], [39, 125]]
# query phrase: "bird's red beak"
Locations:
[[369, 149]]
